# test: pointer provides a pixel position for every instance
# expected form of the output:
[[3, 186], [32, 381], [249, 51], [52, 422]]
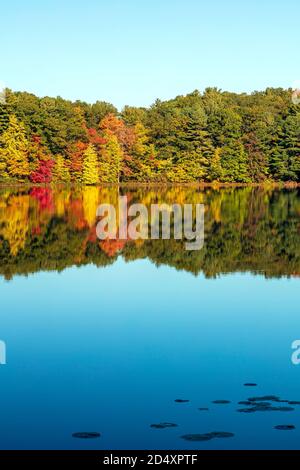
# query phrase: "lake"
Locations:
[[105, 336]]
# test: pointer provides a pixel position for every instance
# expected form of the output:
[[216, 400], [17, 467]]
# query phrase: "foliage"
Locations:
[[90, 166], [215, 136]]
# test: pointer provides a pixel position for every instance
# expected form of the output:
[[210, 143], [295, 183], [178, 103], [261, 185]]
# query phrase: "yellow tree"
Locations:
[[111, 159], [60, 172], [90, 166], [14, 148]]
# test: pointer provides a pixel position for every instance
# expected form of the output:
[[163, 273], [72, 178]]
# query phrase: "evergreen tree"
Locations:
[[292, 145], [234, 163], [90, 166], [215, 170]]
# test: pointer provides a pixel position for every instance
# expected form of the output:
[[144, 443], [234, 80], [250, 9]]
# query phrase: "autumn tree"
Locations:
[[60, 173], [14, 151], [43, 173], [90, 166], [111, 159], [75, 152]]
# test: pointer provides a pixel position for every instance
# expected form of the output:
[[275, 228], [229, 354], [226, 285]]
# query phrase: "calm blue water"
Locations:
[[110, 349]]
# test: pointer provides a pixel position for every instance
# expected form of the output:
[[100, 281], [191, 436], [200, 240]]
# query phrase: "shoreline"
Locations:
[[264, 185]]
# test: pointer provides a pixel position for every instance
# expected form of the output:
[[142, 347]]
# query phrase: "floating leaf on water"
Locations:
[[285, 427], [164, 425], [264, 407], [265, 398], [207, 436], [221, 402], [86, 435]]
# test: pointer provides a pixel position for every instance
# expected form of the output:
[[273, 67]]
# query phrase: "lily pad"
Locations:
[[264, 408], [86, 435], [285, 427], [207, 436], [265, 398], [164, 425]]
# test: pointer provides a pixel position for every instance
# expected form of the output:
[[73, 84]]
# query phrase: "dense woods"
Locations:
[[246, 229], [211, 137]]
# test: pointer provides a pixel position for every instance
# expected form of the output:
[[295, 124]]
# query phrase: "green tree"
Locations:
[[215, 171], [234, 163]]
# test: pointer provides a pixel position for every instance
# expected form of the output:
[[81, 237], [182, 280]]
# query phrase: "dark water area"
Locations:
[[141, 344]]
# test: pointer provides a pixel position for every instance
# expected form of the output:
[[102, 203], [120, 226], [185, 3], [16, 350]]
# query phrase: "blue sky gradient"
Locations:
[[133, 51]]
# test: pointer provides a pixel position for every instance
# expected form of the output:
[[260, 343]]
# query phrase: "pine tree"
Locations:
[[4, 117], [215, 170], [279, 162], [90, 166], [292, 145], [14, 151], [234, 163]]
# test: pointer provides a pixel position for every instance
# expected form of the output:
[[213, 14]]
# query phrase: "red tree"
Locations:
[[43, 173]]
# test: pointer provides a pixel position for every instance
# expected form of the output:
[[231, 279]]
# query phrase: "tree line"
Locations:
[[213, 136]]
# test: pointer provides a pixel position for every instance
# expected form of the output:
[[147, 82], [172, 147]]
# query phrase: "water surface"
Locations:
[[105, 336]]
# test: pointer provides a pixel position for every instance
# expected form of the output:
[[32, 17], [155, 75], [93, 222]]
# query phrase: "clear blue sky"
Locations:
[[134, 51]]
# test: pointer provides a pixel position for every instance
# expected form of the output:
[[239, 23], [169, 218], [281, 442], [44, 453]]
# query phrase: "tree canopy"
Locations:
[[214, 136]]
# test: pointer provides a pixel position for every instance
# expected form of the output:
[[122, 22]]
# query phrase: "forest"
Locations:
[[208, 137]]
